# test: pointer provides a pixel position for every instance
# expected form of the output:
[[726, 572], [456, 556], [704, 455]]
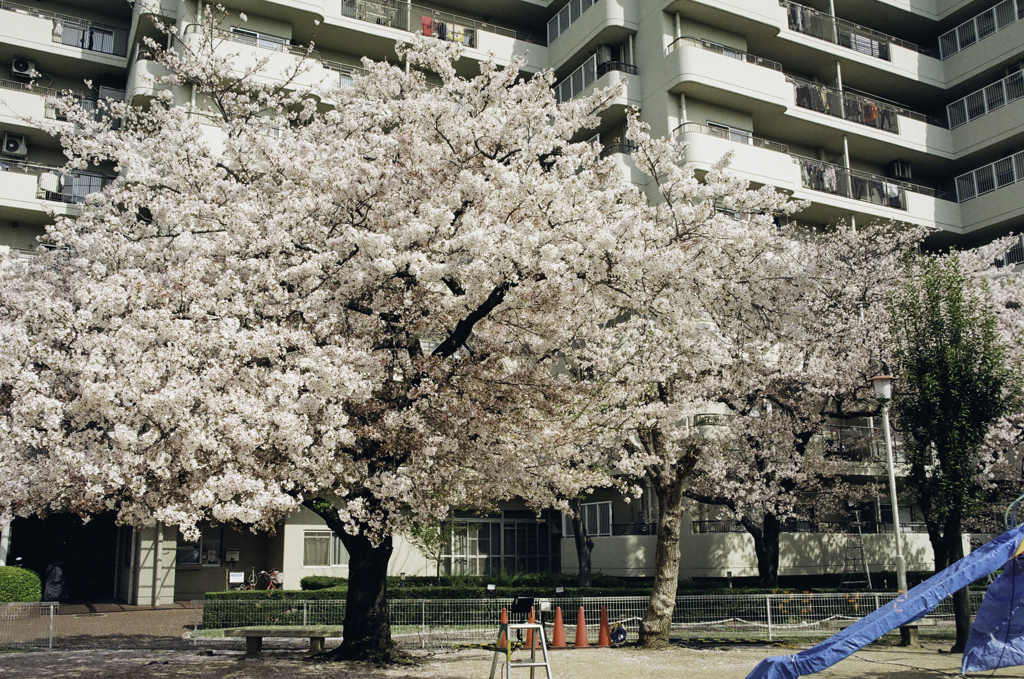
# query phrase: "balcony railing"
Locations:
[[567, 17], [986, 100], [586, 75], [1013, 256], [979, 27], [856, 108], [346, 73], [31, 88], [819, 175], [78, 32], [733, 135], [431, 22], [806, 526], [55, 184], [725, 51], [844, 33], [1004, 172], [635, 528], [260, 40]]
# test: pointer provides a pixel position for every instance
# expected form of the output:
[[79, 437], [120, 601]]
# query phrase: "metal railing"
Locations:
[[1004, 172], [635, 528], [725, 51], [346, 73], [586, 75], [986, 100], [18, 86], [819, 175], [78, 32], [869, 527], [567, 17], [27, 625], [1015, 255], [860, 444], [431, 22], [808, 21], [979, 27], [259, 40], [733, 135], [429, 623], [856, 108], [54, 184]]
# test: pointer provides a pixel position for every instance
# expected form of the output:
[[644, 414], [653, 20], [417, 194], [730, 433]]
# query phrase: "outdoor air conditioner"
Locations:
[[23, 68], [15, 145]]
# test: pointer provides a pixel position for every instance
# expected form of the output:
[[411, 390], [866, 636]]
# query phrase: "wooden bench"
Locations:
[[254, 636], [908, 632]]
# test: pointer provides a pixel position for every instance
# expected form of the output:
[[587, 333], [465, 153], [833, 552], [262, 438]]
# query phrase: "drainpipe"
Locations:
[[156, 564], [846, 162], [679, 27], [839, 76], [631, 60], [5, 543]]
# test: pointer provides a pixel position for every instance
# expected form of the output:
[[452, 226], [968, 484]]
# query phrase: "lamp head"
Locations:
[[883, 386]]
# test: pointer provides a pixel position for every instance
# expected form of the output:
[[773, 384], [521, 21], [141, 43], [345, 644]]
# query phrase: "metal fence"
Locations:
[[986, 100], [27, 625], [979, 27], [448, 622], [990, 177]]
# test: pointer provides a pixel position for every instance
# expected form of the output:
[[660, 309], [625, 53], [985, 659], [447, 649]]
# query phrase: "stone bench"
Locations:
[[254, 636]]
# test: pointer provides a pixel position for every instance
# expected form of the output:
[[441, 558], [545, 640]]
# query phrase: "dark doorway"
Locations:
[[88, 551]]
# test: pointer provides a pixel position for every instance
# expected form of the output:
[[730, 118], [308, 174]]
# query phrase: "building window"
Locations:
[[597, 519], [206, 551], [514, 542], [322, 548]]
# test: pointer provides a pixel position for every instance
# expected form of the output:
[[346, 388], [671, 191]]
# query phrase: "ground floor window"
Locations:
[[515, 541], [597, 519], [323, 548]]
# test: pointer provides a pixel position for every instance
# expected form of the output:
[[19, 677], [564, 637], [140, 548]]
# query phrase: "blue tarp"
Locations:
[[997, 635], [903, 609]]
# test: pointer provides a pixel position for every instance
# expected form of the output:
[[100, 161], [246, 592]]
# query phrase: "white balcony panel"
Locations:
[[736, 82], [18, 105], [143, 79], [759, 165], [992, 128], [18, 194], [279, 63], [19, 29], [984, 54], [583, 34], [989, 210]]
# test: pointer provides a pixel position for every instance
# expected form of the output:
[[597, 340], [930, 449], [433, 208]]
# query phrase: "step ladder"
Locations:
[[855, 571], [504, 655]]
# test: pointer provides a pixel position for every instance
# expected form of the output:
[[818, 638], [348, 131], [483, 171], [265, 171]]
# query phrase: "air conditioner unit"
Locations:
[[23, 68], [900, 169], [15, 145]]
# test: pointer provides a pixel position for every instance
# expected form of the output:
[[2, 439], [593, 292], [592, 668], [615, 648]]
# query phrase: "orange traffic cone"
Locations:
[[504, 621], [604, 635], [581, 630], [558, 636], [531, 641]]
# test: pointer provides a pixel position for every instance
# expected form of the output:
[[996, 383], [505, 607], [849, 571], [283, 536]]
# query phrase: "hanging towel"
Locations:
[[49, 182], [427, 26]]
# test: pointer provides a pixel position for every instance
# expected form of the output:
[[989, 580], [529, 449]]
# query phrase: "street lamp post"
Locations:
[[883, 392]]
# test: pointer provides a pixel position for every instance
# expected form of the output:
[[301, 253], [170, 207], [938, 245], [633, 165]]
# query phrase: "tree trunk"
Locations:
[[367, 626], [654, 628], [766, 548], [939, 546], [584, 545], [961, 600]]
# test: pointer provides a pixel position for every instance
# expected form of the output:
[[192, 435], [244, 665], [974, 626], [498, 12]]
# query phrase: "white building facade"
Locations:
[[874, 110]]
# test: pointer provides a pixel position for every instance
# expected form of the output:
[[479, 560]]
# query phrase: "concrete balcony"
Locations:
[[372, 28], [144, 77], [279, 58], [726, 76], [992, 196], [592, 76], [37, 30], [984, 54], [29, 190], [834, 192], [605, 22]]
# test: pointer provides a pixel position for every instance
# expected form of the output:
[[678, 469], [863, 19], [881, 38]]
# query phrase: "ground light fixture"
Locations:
[[883, 392]]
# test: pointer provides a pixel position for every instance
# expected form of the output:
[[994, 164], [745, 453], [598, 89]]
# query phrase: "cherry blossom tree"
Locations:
[[769, 462], [351, 299]]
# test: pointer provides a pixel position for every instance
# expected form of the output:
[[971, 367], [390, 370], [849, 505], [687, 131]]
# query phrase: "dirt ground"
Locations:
[[622, 663]]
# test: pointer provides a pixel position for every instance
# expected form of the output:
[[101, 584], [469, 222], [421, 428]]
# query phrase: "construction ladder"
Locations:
[[504, 655], [856, 558]]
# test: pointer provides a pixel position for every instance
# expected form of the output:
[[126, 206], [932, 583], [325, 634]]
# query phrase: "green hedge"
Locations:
[[19, 584], [315, 582]]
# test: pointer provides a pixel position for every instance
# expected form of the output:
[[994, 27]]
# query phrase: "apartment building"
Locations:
[[869, 110]]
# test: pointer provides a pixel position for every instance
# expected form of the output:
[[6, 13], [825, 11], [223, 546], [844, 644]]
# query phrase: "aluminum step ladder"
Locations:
[[855, 570], [504, 655]]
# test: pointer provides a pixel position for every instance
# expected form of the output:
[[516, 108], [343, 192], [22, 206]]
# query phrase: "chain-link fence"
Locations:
[[27, 625], [445, 623]]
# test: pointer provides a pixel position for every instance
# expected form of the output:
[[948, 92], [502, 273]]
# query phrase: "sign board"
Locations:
[[236, 578]]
